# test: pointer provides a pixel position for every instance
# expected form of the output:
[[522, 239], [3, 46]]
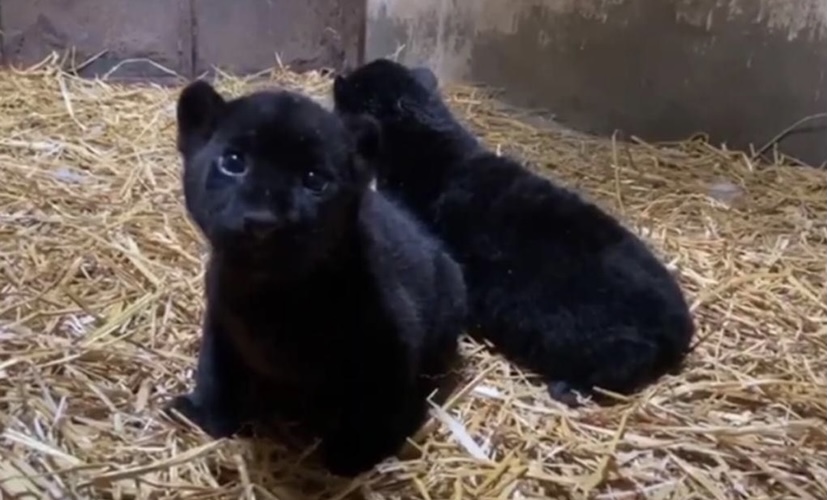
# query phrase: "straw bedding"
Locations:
[[100, 298]]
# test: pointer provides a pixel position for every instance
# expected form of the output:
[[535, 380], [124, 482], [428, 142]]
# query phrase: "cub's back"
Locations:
[[499, 203], [506, 223]]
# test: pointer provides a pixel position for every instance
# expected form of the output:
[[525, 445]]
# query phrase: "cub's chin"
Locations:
[[287, 254]]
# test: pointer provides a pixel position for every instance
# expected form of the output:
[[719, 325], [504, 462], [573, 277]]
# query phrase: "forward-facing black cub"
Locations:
[[325, 303], [555, 283]]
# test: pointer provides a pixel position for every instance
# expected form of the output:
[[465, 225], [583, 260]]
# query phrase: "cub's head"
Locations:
[[390, 92], [271, 174], [421, 137]]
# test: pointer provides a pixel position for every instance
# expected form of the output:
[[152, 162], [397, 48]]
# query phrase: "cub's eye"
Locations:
[[313, 181], [232, 164]]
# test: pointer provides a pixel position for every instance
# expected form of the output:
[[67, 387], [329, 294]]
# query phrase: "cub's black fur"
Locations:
[[326, 303], [553, 282]]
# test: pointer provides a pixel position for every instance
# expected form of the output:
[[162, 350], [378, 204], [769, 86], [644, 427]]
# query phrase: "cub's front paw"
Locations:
[[216, 423]]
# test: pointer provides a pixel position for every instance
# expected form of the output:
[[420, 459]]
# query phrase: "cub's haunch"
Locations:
[[554, 283], [325, 302]]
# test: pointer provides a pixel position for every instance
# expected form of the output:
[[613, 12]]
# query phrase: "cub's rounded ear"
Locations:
[[366, 134], [425, 77], [197, 112]]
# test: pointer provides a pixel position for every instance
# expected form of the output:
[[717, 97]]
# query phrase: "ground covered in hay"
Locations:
[[100, 297]]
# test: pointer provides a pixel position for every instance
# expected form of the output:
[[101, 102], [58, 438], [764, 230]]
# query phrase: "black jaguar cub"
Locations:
[[554, 283], [325, 303]]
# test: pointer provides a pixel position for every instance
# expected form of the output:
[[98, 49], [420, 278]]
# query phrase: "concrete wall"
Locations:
[[187, 37], [741, 70]]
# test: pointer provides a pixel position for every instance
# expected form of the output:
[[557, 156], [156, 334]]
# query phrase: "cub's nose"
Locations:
[[260, 223]]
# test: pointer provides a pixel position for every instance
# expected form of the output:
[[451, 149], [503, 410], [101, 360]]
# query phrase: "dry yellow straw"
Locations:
[[100, 299]]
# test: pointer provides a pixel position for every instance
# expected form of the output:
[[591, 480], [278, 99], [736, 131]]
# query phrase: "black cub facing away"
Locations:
[[325, 303], [554, 283]]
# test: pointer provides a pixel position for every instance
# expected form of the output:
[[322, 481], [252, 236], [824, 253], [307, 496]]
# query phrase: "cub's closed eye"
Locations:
[[314, 182], [232, 164]]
